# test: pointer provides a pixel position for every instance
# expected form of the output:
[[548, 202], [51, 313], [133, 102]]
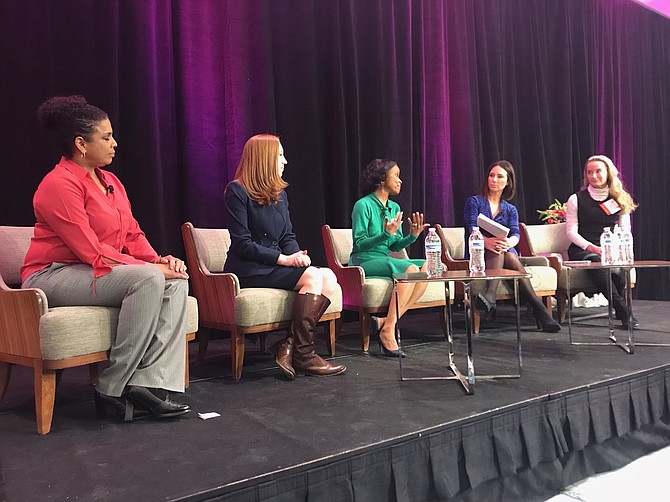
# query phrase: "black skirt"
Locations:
[[279, 278]]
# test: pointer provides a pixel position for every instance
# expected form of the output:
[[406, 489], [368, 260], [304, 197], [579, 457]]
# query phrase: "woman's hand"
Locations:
[[416, 224], [171, 273], [592, 248], [173, 263], [496, 245], [299, 259], [393, 225]]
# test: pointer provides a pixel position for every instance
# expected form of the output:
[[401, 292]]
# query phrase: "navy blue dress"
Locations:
[[259, 234]]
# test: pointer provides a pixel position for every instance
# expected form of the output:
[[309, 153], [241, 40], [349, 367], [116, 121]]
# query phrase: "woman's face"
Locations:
[[281, 160], [100, 149], [392, 183], [497, 180], [596, 174]]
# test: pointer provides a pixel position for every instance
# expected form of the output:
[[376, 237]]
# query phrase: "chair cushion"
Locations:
[[15, 244], [377, 292], [343, 243], [455, 241], [549, 239], [76, 331], [542, 279], [254, 306], [212, 245]]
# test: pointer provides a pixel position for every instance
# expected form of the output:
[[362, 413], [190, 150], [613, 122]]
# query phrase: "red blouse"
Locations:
[[78, 223]]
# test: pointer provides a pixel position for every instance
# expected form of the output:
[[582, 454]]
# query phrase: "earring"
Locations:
[[83, 154]]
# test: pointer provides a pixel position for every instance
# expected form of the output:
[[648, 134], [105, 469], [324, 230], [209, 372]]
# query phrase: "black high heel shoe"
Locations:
[[488, 308], [121, 407], [159, 408], [545, 321], [374, 329]]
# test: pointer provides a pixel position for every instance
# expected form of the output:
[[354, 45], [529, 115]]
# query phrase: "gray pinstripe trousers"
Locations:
[[149, 349]]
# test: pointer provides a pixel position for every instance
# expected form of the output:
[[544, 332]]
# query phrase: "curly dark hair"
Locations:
[[374, 174], [66, 117], [510, 190]]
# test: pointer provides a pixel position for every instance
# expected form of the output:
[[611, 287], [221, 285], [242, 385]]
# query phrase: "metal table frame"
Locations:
[[463, 276], [629, 346]]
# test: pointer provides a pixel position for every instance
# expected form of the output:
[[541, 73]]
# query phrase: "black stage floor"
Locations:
[[363, 435]]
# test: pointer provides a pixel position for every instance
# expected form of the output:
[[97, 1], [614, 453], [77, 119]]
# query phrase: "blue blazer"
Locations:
[[258, 233], [507, 216]]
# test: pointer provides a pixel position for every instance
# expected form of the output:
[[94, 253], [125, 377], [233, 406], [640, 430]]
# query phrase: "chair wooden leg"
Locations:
[[5, 373], [561, 305], [331, 331], [45, 396], [236, 353], [364, 321], [203, 341], [93, 373], [547, 303], [476, 321]]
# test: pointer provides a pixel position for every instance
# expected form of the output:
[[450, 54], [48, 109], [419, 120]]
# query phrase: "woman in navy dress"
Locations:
[[265, 254], [498, 188]]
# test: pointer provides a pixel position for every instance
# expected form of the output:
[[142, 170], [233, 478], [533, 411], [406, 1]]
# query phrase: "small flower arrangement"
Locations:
[[555, 213]]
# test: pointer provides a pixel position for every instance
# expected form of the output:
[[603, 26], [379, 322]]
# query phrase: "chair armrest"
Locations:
[[351, 279], [20, 312], [455, 264], [537, 261], [216, 294]]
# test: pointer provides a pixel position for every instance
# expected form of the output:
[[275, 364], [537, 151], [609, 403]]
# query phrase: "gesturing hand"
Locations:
[[416, 224], [393, 225]]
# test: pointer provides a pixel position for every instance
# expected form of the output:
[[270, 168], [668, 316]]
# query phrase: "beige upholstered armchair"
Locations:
[[369, 295], [52, 339], [551, 241], [543, 276], [225, 306]]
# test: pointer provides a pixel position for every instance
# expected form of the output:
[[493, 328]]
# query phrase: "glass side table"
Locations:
[[467, 380], [628, 346]]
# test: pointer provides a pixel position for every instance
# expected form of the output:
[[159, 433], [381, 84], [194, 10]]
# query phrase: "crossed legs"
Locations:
[[408, 294]]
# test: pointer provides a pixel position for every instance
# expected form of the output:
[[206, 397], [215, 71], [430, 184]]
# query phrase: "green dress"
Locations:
[[373, 244]]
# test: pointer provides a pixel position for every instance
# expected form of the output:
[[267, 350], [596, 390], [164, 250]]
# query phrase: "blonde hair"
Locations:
[[258, 169], [616, 189]]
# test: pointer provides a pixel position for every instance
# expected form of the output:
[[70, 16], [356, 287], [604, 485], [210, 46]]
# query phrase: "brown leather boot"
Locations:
[[284, 356], [307, 311]]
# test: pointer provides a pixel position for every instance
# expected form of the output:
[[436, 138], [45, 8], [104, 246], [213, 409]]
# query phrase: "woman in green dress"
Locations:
[[377, 231]]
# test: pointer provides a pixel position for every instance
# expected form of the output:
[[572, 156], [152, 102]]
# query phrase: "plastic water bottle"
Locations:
[[618, 246], [433, 248], [607, 247], [626, 244], [476, 247]]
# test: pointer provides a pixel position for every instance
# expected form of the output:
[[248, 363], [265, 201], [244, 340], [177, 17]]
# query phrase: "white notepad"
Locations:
[[492, 227]]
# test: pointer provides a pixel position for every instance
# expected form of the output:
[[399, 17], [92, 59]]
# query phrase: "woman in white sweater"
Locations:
[[602, 202]]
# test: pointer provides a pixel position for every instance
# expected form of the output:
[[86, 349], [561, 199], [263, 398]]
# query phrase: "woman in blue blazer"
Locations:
[[498, 188], [265, 254]]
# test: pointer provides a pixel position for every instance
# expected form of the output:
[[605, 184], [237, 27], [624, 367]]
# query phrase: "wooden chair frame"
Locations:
[[215, 292], [351, 279]]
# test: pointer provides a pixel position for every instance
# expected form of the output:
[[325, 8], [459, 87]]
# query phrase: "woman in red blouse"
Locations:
[[88, 249]]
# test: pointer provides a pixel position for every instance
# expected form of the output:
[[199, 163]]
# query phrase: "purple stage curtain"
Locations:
[[443, 87]]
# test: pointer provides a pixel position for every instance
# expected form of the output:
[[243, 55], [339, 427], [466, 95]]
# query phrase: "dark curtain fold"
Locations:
[[444, 88]]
